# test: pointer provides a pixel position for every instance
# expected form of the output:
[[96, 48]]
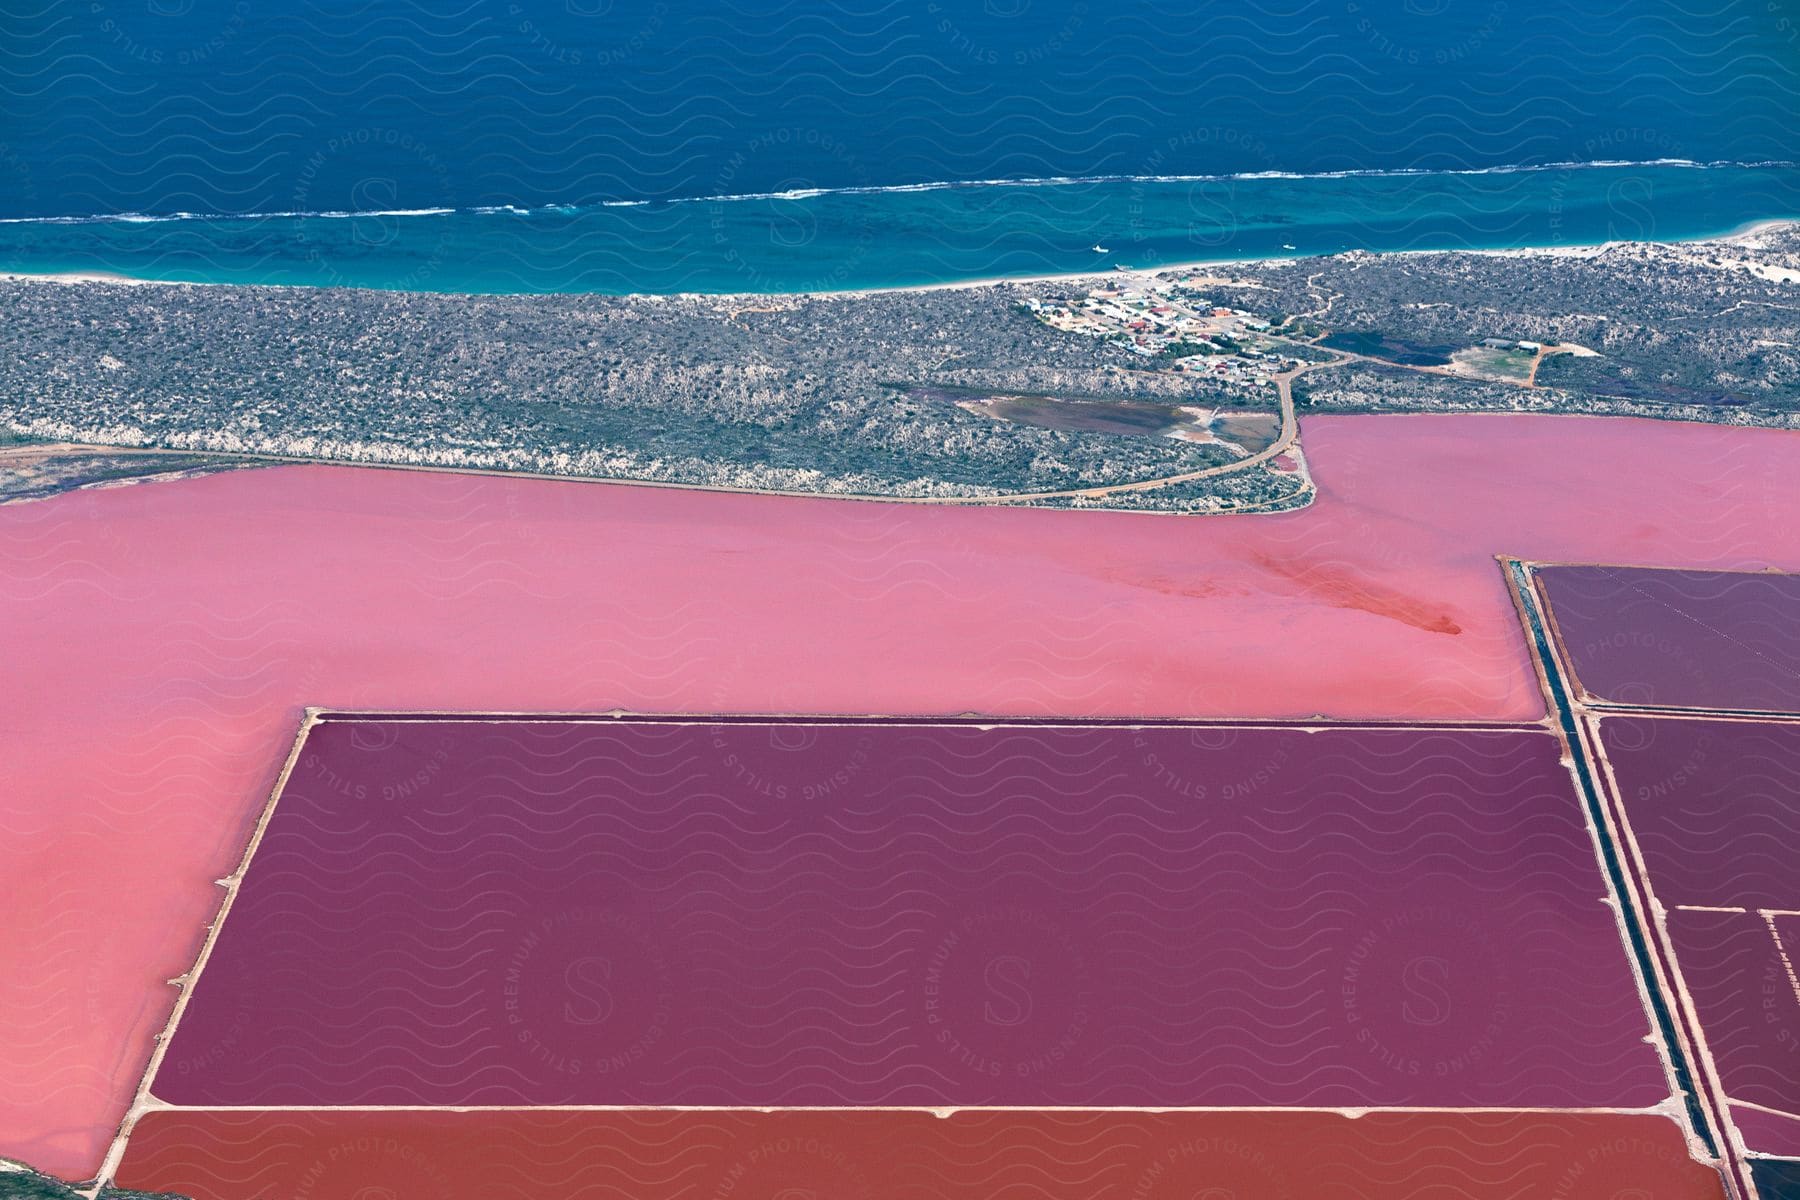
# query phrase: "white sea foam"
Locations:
[[802, 194]]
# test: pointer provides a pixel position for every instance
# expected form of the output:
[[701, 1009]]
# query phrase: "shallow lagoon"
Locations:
[[170, 633]]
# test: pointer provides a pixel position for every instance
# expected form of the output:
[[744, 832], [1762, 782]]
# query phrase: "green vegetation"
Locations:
[[22, 1183], [1679, 332]]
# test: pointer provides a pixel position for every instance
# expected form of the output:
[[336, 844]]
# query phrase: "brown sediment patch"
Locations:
[[1254, 431], [39, 470], [1196, 589], [1341, 588]]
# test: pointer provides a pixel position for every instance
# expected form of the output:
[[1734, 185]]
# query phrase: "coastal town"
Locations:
[[1171, 319]]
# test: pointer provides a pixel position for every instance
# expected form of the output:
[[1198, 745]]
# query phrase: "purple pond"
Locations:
[[1739, 970], [645, 911], [1714, 807], [1690, 639]]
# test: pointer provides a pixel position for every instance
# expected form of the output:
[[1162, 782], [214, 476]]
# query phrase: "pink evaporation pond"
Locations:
[[781, 914], [165, 637]]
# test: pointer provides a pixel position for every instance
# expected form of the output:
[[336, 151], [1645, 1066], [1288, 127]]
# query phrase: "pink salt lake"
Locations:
[[161, 641]]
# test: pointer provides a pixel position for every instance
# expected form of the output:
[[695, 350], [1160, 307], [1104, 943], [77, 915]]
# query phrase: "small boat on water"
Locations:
[[1287, 246], [1099, 249]]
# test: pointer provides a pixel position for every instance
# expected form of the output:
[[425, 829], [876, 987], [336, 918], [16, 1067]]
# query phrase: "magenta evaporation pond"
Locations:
[[654, 912]]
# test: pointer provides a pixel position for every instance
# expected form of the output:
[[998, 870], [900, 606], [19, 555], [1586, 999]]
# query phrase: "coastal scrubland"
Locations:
[[965, 394], [1700, 331], [803, 393]]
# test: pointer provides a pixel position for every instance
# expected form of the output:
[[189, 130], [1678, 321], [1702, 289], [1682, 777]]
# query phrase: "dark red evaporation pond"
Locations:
[[852, 1155], [1688, 639], [781, 913]]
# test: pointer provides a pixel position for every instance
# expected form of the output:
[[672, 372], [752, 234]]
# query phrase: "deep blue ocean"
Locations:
[[609, 144]]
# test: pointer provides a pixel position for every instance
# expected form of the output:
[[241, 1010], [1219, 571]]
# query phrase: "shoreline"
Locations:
[[1747, 230], [98, 277], [1016, 501]]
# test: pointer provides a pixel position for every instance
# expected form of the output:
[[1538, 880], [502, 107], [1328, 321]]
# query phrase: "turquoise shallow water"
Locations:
[[853, 239]]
